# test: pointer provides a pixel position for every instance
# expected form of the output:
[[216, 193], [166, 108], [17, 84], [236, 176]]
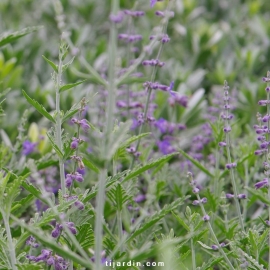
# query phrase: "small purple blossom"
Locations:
[[140, 198], [118, 18], [261, 184], [79, 205], [214, 247], [206, 218], [241, 196], [28, 147], [229, 196]]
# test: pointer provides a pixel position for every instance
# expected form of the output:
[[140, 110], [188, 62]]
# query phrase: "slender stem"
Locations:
[[58, 124], [99, 218], [235, 191], [214, 236], [193, 254], [149, 90], [10, 242], [111, 85]]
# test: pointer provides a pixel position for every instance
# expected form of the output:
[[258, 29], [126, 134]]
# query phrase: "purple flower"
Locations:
[[79, 205], [165, 146], [31, 241], [57, 231], [140, 198], [84, 125], [45, 254], [196, 202], [229, 196], [152, 3], [206, 218], [214, 247], [261, 184], [28, 147], [75, 143], [118, 18], [78, 177], [241, 196], [204, 200], [196, 190], [69, 180]]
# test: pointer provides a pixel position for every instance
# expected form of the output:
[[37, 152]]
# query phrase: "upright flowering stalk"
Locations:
[[206, 218], [156, 63], [263, 137], [57, 78], [226, 116]]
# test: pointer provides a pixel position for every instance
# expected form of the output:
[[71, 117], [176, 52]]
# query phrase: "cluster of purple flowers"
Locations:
[[130, 38], [70, 177], [31, 241], [216, 247], [83, 123], [263, 131], [59, 227], [132, 150], [47, 257], [153, 62]]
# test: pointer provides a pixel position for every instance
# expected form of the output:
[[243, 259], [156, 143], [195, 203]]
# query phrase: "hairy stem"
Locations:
[[10, 242], [58, 125], [214, 236], [99, 218]]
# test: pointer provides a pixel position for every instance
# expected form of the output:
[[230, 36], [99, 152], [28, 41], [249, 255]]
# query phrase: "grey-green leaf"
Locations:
[[196, 163], [69, 86], [52, 64], [38, 107], [7, 38]]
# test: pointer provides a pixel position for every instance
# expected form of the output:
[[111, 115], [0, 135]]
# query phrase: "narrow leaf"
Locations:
[[38, 107], [151, 164], [52, 64], [7, 38], [90, 165], [196, 163], [69, 86]]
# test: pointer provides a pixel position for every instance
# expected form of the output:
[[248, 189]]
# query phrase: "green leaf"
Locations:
[[196, 163], [137, 171], [69, 86], [27, 266], [118, 195], [181, 221], [55, 147], [152, 220], [209, 265], [90, 165], [34, 191], [7, 38], [109, 181], [85, 236], [38, 107], [259, 195], [52, 64]]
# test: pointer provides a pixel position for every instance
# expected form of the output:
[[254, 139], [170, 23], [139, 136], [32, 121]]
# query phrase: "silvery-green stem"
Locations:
[[214, 236], [193, 254], [58, 128], [119, 225], [112, 51], [10, 242], [235, 191], [99, 217]]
